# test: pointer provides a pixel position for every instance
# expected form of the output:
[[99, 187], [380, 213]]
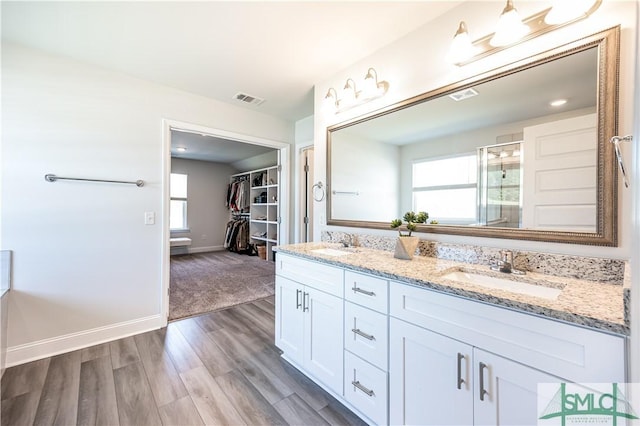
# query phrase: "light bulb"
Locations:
[[461, 47], [509, 28]]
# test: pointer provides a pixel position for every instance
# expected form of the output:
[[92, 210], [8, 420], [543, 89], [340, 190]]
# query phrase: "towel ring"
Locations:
[[616, 144], [321, 188]]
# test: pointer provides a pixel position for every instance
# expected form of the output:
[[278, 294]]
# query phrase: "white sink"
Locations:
[[504, 284], [331, 252]]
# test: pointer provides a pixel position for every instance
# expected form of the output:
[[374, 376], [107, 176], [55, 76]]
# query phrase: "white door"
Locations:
[[509, 391], [430, 378], [289, 318], [323, 342], [560, 170]]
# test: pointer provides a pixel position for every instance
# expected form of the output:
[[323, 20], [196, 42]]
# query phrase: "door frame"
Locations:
[[284, 158], [299, 192]]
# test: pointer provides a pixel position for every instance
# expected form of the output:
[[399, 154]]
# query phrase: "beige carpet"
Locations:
[[207, 282]]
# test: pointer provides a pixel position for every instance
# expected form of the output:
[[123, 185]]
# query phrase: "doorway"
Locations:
[[170, 129]]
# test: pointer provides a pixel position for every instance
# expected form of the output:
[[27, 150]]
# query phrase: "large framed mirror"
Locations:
[[490, 156]]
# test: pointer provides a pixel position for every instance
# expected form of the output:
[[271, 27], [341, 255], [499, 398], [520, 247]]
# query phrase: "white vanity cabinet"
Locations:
[[309, 318], [436, 380], [443, 366], [366, 344], [396, 353]]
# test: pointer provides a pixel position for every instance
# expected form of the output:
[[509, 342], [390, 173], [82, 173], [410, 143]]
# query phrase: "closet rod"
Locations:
[[52, 178]]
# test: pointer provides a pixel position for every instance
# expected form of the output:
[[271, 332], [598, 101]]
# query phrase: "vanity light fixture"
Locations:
[[511, 30], [349, 93], [461, 47], [331, 101], [564, 11], [351, 97]]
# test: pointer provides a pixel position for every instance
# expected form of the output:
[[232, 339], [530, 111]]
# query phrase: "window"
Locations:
[[446, 188], [178, 203]]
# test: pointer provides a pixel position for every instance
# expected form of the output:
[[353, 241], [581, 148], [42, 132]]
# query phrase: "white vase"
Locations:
[[406, 247]]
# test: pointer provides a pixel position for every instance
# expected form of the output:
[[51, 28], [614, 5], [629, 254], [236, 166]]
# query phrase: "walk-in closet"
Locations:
[[224, 217]]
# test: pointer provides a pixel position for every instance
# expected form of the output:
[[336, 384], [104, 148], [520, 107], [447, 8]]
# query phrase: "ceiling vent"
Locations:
[[249, 99], [463, 94]]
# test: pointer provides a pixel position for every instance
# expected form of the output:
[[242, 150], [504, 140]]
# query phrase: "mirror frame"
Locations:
[[607, 42]]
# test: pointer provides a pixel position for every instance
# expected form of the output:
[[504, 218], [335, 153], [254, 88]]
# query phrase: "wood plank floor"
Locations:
[[219, 368]]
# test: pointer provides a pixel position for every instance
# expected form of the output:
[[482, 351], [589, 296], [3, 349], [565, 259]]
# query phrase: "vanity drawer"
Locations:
[[366, 290], [571, 352], [366, 334], [365, 387], [322, 277]]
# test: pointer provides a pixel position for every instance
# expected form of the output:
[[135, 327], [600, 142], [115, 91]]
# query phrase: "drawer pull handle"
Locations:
[[298, 304], [363, 334], [359, 290], [460, 379], [357, 384], [305, 301], [483, 391]]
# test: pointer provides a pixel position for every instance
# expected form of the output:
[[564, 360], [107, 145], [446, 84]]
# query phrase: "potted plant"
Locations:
[[407, 244]]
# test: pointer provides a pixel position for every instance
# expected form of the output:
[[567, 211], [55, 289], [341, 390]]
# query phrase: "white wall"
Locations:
[[367, 178], [416, 64], [635, 248], [86, 267], [207, 214]]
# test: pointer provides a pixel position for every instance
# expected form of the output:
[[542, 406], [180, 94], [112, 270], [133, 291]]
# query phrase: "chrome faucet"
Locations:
[[505, 264]]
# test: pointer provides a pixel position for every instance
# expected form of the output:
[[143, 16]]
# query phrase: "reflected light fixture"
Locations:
[[558, 102], [181, 149], [351, 97], [509, 28]]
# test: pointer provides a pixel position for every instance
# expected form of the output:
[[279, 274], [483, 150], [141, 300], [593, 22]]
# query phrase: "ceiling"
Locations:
[[210, 148], [269, 49]]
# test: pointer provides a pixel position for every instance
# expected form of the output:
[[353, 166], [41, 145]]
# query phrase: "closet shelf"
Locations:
[[262, 186], [272, 222], [269, 240]]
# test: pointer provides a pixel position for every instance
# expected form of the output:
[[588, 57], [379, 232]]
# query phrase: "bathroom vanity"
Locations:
[[433, 341]]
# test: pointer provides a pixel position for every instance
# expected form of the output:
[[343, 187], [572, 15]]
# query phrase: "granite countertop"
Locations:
[[587, 303]]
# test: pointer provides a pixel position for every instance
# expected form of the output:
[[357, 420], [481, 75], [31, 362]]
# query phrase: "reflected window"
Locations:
[[178, 203], [446, 188]]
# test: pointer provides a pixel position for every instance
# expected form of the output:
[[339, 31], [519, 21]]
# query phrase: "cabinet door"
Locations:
[[323, 342], [509, 391], [289, 318], [429, 377]]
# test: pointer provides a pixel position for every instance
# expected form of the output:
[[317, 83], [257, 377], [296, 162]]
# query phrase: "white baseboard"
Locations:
[[57, 345], [205, 249]]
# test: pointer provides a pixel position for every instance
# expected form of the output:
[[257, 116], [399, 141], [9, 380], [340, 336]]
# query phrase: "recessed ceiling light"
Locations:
[[558, 102], [181, 149]]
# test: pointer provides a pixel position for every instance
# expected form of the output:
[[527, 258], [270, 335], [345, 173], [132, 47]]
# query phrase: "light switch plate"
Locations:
[[149, 218]]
